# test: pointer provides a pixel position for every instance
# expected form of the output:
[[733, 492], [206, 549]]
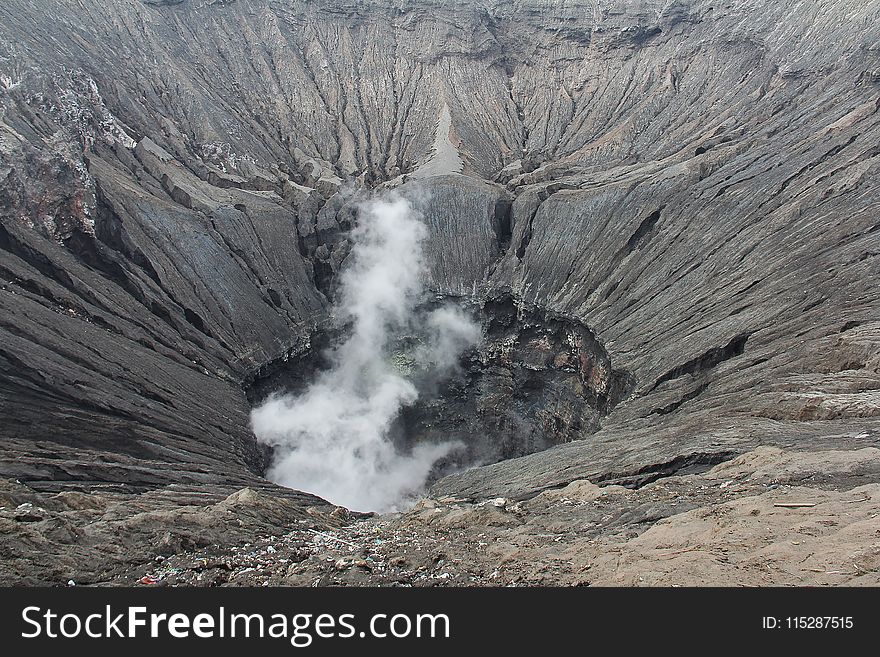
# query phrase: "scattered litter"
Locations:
[[328, 537], [27, 512], [794, 505], [148, 579]]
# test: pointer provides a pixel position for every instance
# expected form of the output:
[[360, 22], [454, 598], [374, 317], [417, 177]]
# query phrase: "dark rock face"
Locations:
[[537, 379], [695, 184]]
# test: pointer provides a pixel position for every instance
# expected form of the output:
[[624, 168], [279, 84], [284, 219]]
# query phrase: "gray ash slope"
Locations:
[[696, 183]]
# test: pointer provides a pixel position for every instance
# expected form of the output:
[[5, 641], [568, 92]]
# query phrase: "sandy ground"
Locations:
[[767, 517]]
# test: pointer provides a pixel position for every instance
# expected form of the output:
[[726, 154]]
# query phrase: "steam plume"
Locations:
[[333, 439]]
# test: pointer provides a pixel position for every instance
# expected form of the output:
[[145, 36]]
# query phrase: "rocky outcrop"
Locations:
[[695, 185], [104, 537]]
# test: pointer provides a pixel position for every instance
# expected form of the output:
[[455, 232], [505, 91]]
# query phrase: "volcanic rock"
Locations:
[[695, 185]]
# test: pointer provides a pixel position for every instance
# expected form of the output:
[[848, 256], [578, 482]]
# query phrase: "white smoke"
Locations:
[[449, 331], [332, 440]]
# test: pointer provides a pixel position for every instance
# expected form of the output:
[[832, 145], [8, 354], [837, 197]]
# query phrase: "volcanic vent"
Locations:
[[407, 386]]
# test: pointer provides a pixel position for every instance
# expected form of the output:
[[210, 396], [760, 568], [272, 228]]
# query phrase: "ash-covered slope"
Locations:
[[695, 183]]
